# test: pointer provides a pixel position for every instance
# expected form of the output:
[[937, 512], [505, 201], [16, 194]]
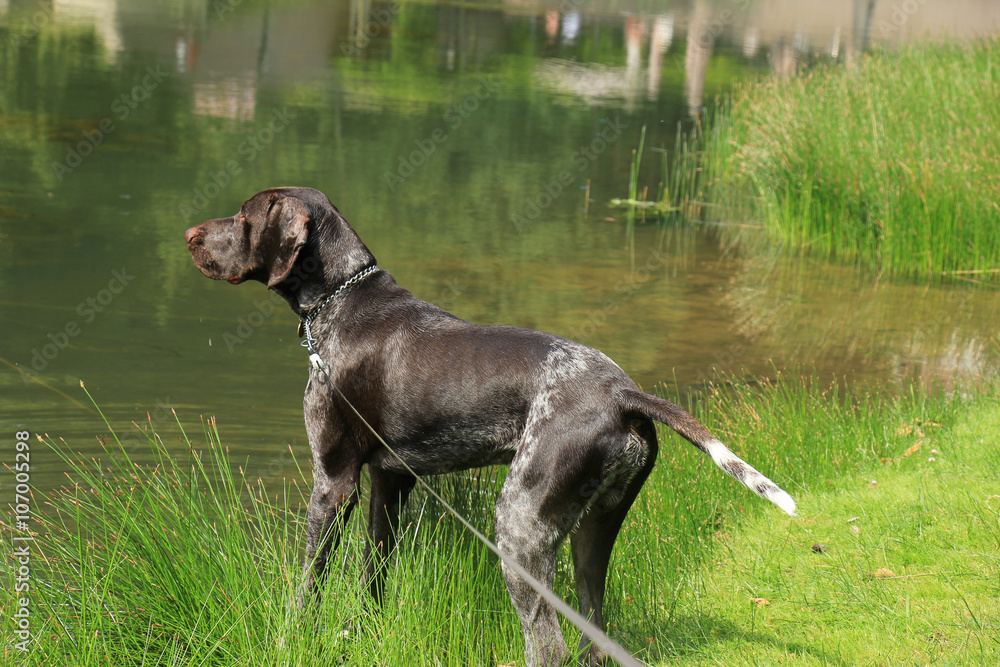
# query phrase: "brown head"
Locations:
[[275, 232]]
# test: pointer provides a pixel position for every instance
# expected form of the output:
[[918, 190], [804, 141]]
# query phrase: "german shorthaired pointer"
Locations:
[[448, 395]]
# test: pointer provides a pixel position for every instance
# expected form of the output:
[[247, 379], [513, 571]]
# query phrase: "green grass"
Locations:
[[909, 573], [891, 164], [186, 562]]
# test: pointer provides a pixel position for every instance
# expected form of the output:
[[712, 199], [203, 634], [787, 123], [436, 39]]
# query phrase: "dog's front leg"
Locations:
[[337, 466], [388, 496], [330, 506]]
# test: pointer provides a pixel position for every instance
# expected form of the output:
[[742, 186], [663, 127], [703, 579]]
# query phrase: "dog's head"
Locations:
[[273, 231]]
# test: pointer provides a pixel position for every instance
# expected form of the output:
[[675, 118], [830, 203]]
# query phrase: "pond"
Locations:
[[473, 146]]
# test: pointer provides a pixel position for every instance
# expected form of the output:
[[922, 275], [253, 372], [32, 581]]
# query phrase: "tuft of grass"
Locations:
[[187, 562], [891, 164]]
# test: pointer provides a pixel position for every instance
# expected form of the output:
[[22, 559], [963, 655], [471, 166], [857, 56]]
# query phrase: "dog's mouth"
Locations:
[[211, 269]]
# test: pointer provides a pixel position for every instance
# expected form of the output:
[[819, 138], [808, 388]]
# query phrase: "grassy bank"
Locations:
[[189, 563], [900, 565], [892, 163]]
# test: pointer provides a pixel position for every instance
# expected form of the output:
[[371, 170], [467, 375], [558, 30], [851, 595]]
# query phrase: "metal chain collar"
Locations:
[[305, 324]]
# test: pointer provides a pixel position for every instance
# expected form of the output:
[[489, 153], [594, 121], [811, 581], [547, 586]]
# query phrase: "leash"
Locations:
[[596, 635]]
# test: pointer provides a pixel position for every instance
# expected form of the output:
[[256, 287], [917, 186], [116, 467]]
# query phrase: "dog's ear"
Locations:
[[289, 219]]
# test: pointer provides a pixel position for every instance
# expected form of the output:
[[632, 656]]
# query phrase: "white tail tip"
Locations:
[[781, 498], [747, 475]]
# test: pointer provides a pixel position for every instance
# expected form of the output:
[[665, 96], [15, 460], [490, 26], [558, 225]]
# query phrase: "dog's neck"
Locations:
[[315, 310], [333, 256]]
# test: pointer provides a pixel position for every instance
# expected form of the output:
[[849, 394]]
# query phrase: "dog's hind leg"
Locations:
[[561, 470], [532, 538], [594, 537], [388, 496]]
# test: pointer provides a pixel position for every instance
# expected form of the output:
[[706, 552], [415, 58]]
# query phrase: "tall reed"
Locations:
[[893, 163]]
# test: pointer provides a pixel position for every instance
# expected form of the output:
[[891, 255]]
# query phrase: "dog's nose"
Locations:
[[191, 234]]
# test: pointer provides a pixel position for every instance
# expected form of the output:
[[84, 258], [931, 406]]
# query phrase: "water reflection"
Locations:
[[890, 331], [459, 140]]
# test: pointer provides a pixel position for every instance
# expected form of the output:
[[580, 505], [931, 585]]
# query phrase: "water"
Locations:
[[459, 141]]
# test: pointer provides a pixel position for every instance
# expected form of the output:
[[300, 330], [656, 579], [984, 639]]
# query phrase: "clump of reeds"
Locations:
[[893, 163]]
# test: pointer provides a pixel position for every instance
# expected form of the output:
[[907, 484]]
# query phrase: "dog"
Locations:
[[448, 395]]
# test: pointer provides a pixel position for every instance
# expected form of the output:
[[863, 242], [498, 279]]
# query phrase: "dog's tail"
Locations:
[[678, 419]]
